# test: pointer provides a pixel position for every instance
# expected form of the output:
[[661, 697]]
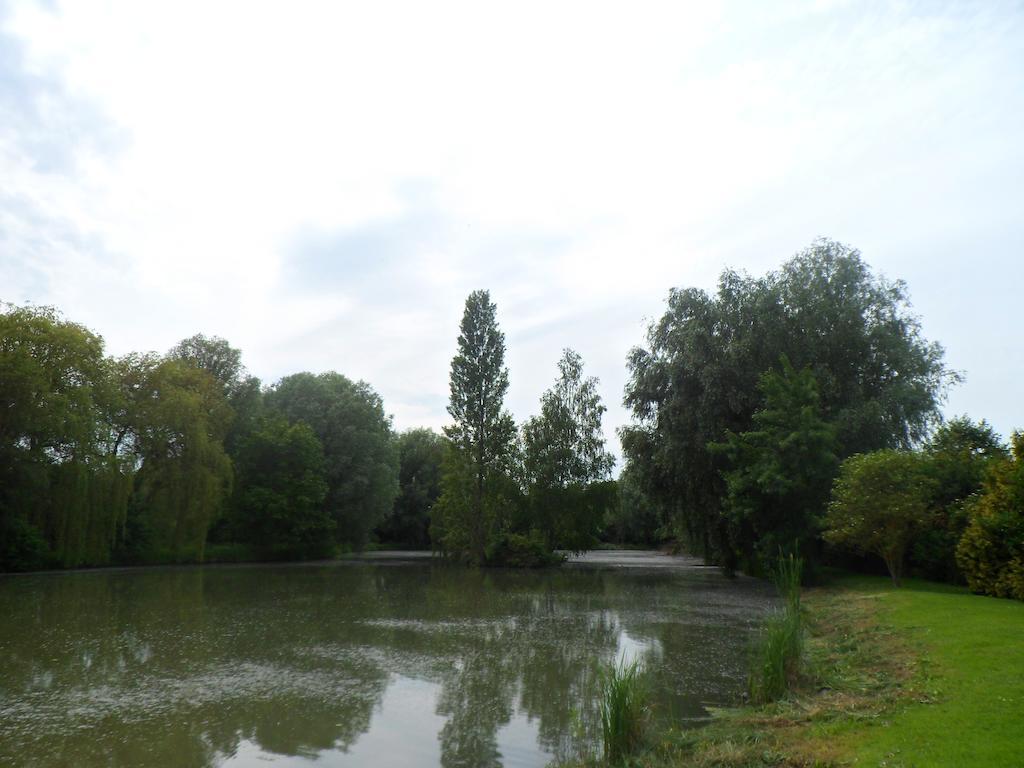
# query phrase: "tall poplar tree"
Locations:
[[482, 435]]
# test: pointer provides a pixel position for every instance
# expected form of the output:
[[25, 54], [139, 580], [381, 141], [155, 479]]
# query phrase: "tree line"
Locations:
[[797, 411], [163, 458], [185, 457]]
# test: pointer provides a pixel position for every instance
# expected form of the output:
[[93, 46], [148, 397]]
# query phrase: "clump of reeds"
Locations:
[[624, 710], [778, 653]]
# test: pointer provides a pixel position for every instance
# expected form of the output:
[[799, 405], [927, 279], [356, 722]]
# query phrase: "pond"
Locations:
[[375, 661]]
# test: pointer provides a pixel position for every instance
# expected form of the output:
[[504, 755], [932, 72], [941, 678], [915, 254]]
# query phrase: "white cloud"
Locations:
[[577, 158]]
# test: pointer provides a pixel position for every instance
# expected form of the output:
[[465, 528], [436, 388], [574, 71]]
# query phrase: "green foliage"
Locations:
[[625, 710], [514, 550], [880, 501], [574, 516], [564, 456], [86, 510], [278, 506], [213, 355], [634, 519], [781, 470], [50, 372], [960, 454], [879, 381], [991, 552], [21, 546], [181, 418], [420, 457], [360, 460], [453, 520], [775, 660], [787, 576], [475, 491], [779, 651], [130, 460], [224, 363], [61, 500], [564, 445]]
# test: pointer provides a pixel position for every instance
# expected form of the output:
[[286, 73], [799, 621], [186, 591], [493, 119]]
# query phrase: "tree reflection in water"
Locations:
[[233, 665]]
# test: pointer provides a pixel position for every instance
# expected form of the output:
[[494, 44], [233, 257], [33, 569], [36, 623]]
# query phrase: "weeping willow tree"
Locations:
[[180, 419], [62, 500], [879, 382], [85, 510]]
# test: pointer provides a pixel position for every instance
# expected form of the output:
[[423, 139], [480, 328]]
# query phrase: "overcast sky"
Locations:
[[323, 184]]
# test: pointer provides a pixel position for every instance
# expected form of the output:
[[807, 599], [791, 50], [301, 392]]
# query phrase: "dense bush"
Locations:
[[991, 552], [933, 550]]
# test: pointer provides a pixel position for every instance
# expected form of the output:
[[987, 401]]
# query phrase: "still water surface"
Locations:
[[377, 662]]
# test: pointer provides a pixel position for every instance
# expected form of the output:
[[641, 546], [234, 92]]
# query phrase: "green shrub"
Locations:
[[624, 710], [991, 551]]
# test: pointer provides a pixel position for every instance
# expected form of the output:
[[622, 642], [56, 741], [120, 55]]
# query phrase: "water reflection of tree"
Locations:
[[171, 668], [183, 666], [537, 653]]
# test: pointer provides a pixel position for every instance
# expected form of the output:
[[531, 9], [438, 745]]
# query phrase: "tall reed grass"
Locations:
[[778, 652], [625, 710]]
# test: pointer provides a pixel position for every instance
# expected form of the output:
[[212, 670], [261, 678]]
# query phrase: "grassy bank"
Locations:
[[975, 651], [925, 675]]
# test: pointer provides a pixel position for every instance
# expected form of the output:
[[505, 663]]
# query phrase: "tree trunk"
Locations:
[[894, 562]]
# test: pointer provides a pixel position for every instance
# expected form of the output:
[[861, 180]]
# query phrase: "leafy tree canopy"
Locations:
[[213, 355], [880, 501], [61, 502], [781, 469], [880, 382], [279, 506], [961, 453], [564, 455], [420, 456], [180, 417], [482, 436], [361, 464]]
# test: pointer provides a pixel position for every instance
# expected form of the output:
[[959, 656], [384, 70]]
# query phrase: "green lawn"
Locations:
[[974, 648]]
